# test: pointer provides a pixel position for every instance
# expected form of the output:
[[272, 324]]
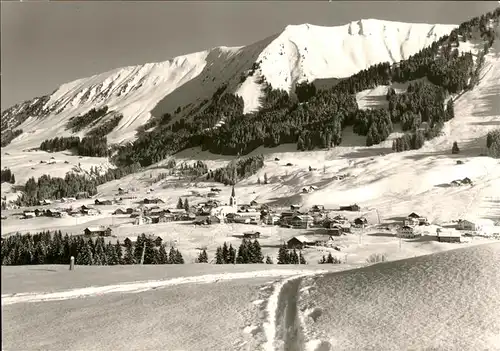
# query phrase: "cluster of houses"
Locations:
[[460, 182], [61, 212]]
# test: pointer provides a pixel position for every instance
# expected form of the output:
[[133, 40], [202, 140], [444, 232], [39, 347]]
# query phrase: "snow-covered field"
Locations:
[[445, 301]]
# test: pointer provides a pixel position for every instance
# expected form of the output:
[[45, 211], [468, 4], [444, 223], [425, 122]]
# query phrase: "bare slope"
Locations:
[[303, 52], [444, 301]]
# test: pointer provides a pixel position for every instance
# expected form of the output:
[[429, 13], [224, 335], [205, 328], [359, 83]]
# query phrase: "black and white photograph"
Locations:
[[250, 175]]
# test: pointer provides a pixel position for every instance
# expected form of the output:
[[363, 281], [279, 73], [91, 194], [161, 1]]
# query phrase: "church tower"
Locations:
[[232, 199]]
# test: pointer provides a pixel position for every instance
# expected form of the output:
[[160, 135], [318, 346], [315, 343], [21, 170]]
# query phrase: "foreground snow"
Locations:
[[136, 287]]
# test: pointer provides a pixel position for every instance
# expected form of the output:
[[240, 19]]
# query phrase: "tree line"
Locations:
[[103, 129], [493, 143], [9, 135], [54, 248], [78, 123], [7, 176], [47, 187], [93, 146], [237, 170]]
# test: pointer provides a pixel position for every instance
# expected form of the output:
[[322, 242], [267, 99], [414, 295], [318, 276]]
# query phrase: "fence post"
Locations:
[[72, 263]]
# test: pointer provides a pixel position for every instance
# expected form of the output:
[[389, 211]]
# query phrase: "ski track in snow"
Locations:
[[136, 287], [272, 309]]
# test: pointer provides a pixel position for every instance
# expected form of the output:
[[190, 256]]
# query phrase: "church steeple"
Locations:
[[232, 199]]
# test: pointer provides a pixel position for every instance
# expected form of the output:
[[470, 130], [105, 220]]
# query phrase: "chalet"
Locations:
[[318, 208], [448, 236], [122, 191], [206, 220], [271, 219], [215, 189], [130, 210], [98, 202], [98, 231], [318, 219], [39, 212], [135, 214], [68, 199], [82, 195], [140, 220], [302, 221], [415, 219], [467, 181], [44, 202], [354, 208], [29, 214], [158, 212], [243, 217], [309, 189], [335, 230], [90, 212], [406, 231], [254, 203], [294, 207], [60, 214], [475, 225], [360, 222], [455, 183], [119, 211], [243, 208], [251, 235], [343, 225], [147, 201], [211, 194], [301, 241]]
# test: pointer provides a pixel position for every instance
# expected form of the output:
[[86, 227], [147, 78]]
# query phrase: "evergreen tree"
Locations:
[[257, 252], [266, 181], [243, 253], [178, 258], [162, 255], [172, 255], [99, 253], [129, 256], [455, 149], [111, 256], [323, 260], [186, 205], [139, 248], [180, 204], [219, 258], [329, 259], [269, 260], [202, 257], [302, 260], [258, 181], [294, 258], [231, 254], [119, 253], [283, 255], [225, 253], [150, 254], [85, 256]]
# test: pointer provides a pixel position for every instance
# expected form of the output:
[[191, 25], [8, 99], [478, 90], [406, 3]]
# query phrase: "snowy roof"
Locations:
[[480, 221], [96, 228]]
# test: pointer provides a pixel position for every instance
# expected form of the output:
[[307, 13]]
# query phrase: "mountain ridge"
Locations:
[[283, 61]]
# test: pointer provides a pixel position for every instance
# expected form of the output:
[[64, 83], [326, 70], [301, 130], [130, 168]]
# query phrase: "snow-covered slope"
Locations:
[[300, 52]]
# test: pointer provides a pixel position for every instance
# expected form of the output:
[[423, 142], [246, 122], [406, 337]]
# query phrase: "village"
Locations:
[[316, 227]]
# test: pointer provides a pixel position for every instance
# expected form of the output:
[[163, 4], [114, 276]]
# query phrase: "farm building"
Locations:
[[140, 220], [119, 211], [90, 212], [251, 235], [147, 201], [318, 208], [271, 219], [415, 219], [98, 202], [44, 202], [309, 189], [29, 214], [335, 230], [475, 225], [301, 241], [99, 231], [448, 236], [302, 221], [406, 231], [360, 221], [354, 208]]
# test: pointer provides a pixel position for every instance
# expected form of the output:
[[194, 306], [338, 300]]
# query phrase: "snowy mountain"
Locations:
[[300, 53]]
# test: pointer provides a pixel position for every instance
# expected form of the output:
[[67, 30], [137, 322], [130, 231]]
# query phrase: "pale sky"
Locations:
[[46, 44]]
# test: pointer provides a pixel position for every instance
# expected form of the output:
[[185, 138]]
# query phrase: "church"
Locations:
[[223, 211]]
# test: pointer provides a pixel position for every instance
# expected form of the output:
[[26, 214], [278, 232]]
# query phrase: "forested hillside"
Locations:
[[316, 118]]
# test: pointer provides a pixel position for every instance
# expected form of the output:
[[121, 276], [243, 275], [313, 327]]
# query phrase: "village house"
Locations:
[[335, 229], [271, 219], [29, 214], [68, 199], [254, 204], [354, 208], [415, 219], [140, 220], [98, 202], [97, 231], [309, 189], [44, 202], [206, 220], [243, 217], [119, 211], [318, 218], [338, 223], [448, 236], [302, 221], [82, 195], [475, 225], [294, 207], [360, 222], [147, 201], [318, 208], [251, 235], [90, 212], [301, 241], [406, 231]]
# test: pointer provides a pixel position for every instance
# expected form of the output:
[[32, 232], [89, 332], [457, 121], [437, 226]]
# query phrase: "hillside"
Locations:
[[299, 53], [444, 301]]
